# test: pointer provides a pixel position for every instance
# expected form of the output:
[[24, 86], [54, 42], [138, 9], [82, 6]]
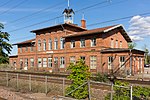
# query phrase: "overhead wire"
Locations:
[[15, 6], [5, 3], [57, 17], [37, 12]]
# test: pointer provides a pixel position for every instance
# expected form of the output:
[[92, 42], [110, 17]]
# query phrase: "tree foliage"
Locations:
[[5, 47], [101, 77], [79, 75], [131, 45], [124, 93]]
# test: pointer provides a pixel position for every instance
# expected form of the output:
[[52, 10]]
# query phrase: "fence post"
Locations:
[[46, 84], [89, 90], [131, 90], [6, 78], [111, 96], [17, 81], [30, 88], [63, 86]]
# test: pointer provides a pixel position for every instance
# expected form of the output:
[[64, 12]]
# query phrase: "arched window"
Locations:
[[62, 43], [39, 45], [56, 44], [50, 44], [44, 44]]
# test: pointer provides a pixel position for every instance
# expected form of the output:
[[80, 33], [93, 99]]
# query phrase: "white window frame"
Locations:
[[93, 42], [72, 59], [93, 62], [50, 44], [73, 44], [82, 43], [62, 43], [55, 43], [110, 62], [50, 62], [112, 43], [39, 62], [120, 44], [39, 45], [116, 43], [26, 62], [62, 62], [122, 61], [31, 62], [44, 45], [44, 62]]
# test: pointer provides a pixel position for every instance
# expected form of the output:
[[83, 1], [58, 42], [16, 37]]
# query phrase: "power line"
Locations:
[[14, 7], [123, 18], [5, 3], [35, 13], [56, 17], [117, 19]]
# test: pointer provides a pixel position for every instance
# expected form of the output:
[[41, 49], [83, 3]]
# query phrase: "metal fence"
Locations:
[[56, 86]]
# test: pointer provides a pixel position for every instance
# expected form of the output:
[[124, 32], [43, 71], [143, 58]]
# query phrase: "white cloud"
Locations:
[[139, 27], [3, 22]]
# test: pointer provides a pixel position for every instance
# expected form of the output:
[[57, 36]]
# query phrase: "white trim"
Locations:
[[113, 28]]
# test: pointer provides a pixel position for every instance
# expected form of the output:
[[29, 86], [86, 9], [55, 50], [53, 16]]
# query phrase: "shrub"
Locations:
[[79, 74]]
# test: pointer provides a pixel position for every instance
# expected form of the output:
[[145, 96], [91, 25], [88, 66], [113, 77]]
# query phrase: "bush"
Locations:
[[101, 78], [79, 75]]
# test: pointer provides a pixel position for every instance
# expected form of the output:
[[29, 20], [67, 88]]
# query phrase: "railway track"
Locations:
[[58, 78]]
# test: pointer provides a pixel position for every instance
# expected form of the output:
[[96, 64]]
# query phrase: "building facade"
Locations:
[[103, 49]]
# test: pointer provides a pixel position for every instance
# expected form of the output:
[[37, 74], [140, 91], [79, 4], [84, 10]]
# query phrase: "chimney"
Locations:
[[83, 23]]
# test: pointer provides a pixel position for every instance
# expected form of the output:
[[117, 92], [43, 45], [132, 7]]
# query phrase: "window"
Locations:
[[93, 63], [62, 43], [120, 44], [21, 63], [82, 43], [110, 61], [26, 62], [20, 49], [83, 58], [72, 59], [56, 60], [62, 62], [39, 45], [44, 62], [116, 43], [122, 61], [32, 62], [26, 48], [50, 62], [31, 48], [50, 44], [39, 62], [55, 44], [93, 42], [112, 43], [44, 45], [72, 43]]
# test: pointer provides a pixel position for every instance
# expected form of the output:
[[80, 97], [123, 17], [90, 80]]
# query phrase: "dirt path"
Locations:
[[7, 94]]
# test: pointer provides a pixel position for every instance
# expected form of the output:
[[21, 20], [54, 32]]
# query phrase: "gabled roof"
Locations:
[[25, 42], [68, 11], [100, 30], [61, 26]]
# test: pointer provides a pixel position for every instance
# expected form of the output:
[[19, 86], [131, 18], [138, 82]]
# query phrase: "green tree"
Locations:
[[79, 75], [5, 47], [131, 45]]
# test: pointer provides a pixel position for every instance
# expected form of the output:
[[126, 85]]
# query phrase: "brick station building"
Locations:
[[103, 49]]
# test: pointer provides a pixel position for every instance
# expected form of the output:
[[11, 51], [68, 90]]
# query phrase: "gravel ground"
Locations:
[[7, 94]]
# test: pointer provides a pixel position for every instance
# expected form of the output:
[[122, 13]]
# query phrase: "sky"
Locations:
[[22, 16]]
